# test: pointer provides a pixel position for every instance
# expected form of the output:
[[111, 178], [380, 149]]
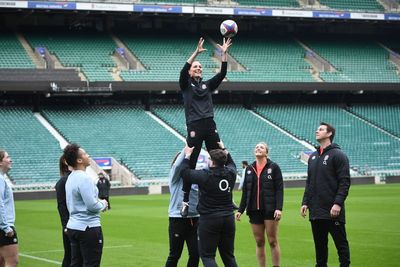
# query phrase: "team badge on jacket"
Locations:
[[204, 86]]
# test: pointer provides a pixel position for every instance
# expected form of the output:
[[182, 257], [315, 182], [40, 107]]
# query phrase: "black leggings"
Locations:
[[199, 131]]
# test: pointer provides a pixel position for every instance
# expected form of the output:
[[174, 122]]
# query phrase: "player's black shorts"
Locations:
[[258, 217], [5, 240]]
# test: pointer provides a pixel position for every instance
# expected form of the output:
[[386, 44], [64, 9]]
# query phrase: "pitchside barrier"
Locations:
[[49, 193]]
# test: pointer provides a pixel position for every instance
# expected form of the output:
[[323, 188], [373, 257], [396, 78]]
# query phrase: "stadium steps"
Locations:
[[270, 3], [38, 62], [90, 52]]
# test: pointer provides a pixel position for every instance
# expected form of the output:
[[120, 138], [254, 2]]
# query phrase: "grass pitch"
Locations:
[[136, 231]]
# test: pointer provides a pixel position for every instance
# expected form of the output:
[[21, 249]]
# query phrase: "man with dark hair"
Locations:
[[199, 111], [217, 221], [244, 167], [8, 235], [84, 208], [327, 187]]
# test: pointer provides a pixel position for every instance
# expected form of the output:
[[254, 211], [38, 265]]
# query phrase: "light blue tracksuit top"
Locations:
[[82, 202], [175, 188], [7, 210]]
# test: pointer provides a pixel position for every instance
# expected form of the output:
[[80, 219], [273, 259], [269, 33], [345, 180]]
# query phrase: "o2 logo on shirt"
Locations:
[[224, 185]]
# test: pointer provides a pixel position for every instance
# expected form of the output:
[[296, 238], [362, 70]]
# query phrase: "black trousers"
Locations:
[[67, 250], [182, 230], [217, 232], [199, 131], [86, 247], [320, 229]]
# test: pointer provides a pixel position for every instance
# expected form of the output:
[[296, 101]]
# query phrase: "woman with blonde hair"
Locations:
[[262, 198]]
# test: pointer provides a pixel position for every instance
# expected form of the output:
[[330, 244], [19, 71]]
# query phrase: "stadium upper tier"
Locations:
[[368, 5], [355, 60], [269, 3], [240, 131], [89, 51], [164, 55], [126, 133], [367, 147], [269, 59], [32, 148], [12, 54], [259, 59], [386, 117]]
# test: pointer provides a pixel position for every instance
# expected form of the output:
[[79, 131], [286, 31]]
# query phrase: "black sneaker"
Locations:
[[185, 209]]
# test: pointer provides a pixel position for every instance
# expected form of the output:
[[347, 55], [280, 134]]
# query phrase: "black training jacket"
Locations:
[[264, 192], [197, 96], [328, 182], [215, 187]]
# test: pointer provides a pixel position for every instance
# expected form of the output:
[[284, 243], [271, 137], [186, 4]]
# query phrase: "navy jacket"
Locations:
[[215, 187], [197, 96], [328, 182]]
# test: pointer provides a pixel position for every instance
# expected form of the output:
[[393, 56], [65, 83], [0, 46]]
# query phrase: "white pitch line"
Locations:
[[40, 259], [61, 250]]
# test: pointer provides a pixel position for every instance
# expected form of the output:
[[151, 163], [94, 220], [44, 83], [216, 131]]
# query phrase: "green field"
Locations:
[[135, 231]]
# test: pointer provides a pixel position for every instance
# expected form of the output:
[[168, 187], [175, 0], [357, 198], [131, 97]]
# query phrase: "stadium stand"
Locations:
[[89, 51], [269, 59], [126, 133], [33, 149], [366, 146], [163, 55], [12, 54], [355, 59], [269, 3], [386, 117], [240, 131], [364, 5]]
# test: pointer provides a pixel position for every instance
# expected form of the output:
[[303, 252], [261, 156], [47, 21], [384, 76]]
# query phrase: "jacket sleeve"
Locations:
[[108, 184], [174, 173], [215, 81], [278, 185], [89, 196], [230, 164], [3, 225], [307, 188], [62, 203], [193, 176], [184, 77], [243, 201], [343, 175]]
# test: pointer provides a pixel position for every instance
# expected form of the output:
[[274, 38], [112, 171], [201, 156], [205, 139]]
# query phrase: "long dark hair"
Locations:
[[64, 171]]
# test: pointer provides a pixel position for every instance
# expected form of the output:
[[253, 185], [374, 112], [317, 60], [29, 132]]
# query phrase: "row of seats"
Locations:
[[132, 137], [241, 131], [263, 58], [33, 149], [12, 54], [126, 133], [366, 146], [355, 59]]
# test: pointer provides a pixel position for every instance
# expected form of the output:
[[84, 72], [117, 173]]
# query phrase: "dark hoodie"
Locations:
[[215, 187], [328, 182], [197, 96]]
